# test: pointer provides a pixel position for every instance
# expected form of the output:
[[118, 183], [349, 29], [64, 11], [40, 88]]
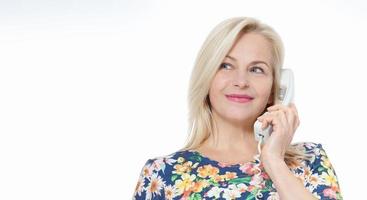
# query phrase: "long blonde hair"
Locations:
[[216, 46]]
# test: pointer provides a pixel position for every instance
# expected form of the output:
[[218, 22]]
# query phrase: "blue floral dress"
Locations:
[[190, 175]]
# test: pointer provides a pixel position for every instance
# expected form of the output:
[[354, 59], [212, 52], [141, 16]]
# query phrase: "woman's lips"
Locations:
[[239, 99]]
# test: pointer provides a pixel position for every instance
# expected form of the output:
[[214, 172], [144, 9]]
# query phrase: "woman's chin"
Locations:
[[242, 119]]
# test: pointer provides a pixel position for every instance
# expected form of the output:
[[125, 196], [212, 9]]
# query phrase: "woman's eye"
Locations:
[[225, 65], [259, 69]]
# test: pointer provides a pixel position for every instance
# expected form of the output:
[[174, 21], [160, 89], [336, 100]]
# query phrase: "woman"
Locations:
[[235, 81]]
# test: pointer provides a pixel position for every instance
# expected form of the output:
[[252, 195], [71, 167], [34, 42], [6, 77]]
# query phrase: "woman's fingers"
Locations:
[[265, 120], [289, 110], [274, 118], [287, 116]]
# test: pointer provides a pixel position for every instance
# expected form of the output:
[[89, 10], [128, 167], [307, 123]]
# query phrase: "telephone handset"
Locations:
[[286, 95]]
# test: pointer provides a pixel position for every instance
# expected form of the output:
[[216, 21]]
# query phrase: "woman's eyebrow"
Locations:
[[230, 57], [253, 62]]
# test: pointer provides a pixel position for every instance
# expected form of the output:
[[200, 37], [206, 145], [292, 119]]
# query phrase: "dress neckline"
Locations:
[[254, 160]]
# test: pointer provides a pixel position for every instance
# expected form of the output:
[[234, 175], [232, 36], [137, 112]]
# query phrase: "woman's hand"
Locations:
[[285, 121]]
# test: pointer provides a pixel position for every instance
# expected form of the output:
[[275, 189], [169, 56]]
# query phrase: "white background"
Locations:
[[89, 90]]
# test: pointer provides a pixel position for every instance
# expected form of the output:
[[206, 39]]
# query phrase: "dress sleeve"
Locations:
[[320, 176], [150, 183]]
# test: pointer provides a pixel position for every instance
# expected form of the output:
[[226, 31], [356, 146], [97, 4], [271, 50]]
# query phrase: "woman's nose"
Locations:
[[241, 80]]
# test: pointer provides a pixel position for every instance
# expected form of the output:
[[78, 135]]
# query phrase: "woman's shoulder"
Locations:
[[308, 147], [318, 173], [167, 161], [154, 175], [314, 151]]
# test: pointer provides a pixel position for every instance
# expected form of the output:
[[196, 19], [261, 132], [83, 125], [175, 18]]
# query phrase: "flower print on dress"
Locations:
[[188, 175]]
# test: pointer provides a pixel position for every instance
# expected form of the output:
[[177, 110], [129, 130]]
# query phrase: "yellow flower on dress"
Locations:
[[329, 178], [180, 160], [186, 167], [186, 183]]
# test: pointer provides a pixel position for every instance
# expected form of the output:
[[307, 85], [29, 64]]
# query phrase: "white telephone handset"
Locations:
[[286, 96]]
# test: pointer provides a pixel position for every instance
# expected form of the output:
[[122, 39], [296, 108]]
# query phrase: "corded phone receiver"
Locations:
[[286, 95]]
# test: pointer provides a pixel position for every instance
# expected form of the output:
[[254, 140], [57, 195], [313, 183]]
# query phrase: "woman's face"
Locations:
[[245, 70]]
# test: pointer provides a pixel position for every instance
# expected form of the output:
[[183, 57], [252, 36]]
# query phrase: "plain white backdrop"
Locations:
[[89, 90]]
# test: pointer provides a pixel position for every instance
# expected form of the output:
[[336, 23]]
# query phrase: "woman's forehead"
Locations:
[[249, 47]]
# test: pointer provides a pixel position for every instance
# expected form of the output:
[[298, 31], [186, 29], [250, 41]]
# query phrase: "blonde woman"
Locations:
[[234, 82]]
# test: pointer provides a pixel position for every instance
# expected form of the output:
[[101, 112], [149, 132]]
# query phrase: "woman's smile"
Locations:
[[239, 98]]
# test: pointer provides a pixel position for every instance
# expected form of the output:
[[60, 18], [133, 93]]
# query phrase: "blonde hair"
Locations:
[[214, 49]]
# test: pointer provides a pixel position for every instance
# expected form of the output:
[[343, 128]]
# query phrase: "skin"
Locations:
[[235, 133], [235, 120]]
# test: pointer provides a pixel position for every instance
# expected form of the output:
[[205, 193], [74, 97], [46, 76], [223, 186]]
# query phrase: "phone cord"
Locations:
[[257, 167]]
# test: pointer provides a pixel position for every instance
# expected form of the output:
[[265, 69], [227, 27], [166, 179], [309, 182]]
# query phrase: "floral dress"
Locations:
[[189, 175]]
